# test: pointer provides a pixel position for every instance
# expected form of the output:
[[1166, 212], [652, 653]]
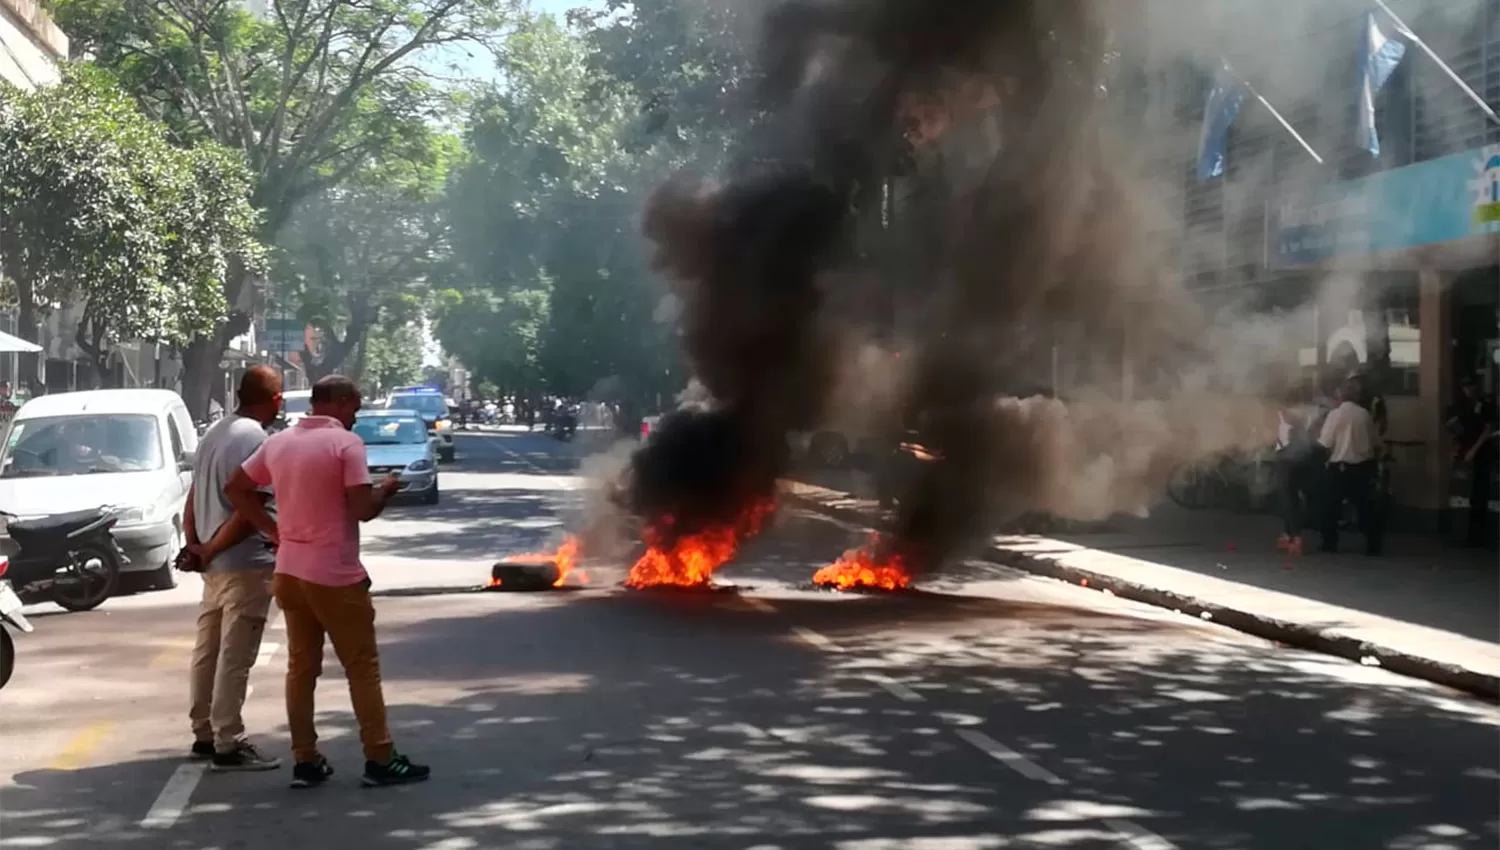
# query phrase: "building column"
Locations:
[[1434, 384]]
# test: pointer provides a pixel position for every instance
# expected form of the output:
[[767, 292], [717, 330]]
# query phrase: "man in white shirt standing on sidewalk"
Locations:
[[237, 564], [1350, 436]]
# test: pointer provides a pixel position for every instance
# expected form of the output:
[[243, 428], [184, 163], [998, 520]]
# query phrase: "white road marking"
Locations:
[[760, 605], [1009, 757], [894, 688], [174, 797], [1138, 837], [812, 638], [267, 650]]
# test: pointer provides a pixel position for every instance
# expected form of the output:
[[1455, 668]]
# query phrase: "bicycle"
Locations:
[[1239, 481]]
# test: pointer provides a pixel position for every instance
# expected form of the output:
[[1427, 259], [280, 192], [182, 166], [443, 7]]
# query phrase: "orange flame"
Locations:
[[863, 568], [565, 558], [691, 560]]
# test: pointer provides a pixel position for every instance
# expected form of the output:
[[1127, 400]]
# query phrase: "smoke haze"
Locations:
[[1066, 235]]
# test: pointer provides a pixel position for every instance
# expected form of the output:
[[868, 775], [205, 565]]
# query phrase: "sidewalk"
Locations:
[[1422, 609]]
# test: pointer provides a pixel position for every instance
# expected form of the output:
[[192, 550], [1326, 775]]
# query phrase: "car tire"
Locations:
[[7, 656], [432, 497]]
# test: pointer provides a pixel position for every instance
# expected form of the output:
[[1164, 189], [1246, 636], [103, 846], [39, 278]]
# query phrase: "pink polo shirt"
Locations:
[[307, 467]]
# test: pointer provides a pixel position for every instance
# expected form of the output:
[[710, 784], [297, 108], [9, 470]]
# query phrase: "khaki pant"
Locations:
[[346, 615], [231, 622]]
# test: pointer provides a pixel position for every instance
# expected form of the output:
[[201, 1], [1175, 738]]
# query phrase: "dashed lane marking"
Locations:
[[894, 688], [83, 745], [813, 639], [174, 797], [1009, 757]]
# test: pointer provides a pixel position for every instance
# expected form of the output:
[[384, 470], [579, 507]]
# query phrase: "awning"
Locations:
[[10, 343]]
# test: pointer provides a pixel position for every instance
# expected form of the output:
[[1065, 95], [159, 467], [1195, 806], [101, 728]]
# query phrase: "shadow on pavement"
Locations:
[[682, 721]]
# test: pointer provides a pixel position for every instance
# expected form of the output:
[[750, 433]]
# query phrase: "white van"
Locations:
[[132, 450]]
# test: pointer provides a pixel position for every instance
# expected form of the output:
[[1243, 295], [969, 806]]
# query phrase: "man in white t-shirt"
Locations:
[[1350, 437]]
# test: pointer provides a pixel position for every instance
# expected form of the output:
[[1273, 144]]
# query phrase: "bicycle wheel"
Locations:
[[1187, 487]]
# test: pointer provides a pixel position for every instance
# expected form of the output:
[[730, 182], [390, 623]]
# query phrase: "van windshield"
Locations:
[[81, 445]]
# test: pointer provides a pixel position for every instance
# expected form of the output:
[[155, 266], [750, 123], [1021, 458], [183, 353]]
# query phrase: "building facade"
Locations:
[[1392, 257]]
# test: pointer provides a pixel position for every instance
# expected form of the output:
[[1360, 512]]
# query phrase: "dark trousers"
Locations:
[[1354, 482], [1481, 479], [1298, 493]]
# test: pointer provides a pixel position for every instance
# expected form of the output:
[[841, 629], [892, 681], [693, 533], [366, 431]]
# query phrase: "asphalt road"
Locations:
[[992, 710]]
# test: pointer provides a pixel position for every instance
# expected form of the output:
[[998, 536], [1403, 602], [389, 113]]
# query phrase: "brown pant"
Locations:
[[346, 615], [231, 622]]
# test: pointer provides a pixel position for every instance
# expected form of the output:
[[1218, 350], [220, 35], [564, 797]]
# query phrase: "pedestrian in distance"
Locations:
[[1473, 423], [1298, 457], [323, 492], [1349, 435], [236, 563]]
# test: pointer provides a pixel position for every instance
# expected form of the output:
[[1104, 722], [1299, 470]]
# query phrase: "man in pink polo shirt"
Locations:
[[321, 482]]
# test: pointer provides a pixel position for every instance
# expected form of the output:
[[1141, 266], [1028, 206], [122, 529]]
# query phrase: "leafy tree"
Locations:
[[96, 208], [311, 92], [498, 337], [391, 356], [687, 68], [358, 256], [544, 211]]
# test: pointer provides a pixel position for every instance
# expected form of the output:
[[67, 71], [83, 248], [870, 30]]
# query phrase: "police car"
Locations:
[[429, 403]]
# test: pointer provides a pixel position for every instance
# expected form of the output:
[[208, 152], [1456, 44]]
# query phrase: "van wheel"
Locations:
[[164, 577]]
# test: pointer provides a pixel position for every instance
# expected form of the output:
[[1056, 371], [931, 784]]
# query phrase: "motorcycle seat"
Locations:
[[56, 525]]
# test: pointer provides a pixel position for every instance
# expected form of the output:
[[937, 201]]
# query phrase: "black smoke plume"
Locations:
[[751, 255]]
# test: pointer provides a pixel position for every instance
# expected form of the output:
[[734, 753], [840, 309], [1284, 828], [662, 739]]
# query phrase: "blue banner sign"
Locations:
[[1440, 200]]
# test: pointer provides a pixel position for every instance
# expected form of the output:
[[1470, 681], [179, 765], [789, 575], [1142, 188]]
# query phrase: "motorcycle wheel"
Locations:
[[91, 592], [7, 656]]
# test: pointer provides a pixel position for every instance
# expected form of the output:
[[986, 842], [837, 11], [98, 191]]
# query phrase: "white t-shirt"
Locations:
[[1349, 434]]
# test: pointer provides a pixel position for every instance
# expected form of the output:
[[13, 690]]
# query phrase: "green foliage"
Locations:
[[313, 93], [360, 255], [551, 289], [498, 337], [392, 356], [97, 208]]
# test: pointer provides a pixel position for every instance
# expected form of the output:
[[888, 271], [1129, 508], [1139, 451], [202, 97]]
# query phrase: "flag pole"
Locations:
[[1277, 115], [1406, 33]]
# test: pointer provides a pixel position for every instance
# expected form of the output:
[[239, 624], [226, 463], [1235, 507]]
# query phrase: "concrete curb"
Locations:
[[1330, 641]]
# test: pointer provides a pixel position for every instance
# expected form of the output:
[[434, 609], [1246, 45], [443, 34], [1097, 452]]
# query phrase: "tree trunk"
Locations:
[[357, 372], [26, 329], [201, 378], [90, 338], [335, 349]]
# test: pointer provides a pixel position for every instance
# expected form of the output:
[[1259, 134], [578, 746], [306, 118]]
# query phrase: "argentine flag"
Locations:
[[1378, 59]]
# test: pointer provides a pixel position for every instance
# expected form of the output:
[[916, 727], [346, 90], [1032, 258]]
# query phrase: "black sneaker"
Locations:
[[311, 774], [203, 750], [398, 771], [244, 757]]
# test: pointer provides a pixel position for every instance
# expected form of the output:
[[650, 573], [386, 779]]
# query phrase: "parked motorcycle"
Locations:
[[71, 559], [10, 618]]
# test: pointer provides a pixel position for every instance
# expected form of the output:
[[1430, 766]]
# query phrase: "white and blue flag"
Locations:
[[1378, 58], [1219, 112]]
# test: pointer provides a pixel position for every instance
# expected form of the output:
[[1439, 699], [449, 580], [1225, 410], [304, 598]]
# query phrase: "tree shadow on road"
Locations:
[[687, 720]]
